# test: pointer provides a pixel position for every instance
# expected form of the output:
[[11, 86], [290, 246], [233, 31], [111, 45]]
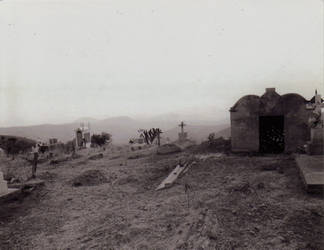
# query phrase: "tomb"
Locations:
[[271, 123]]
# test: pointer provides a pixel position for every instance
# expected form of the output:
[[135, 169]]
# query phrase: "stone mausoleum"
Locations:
[[271, 123]]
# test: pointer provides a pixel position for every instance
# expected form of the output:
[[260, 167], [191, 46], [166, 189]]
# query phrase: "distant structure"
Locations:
[[82, 136], [271, 123], [52, 141], [182, 136]]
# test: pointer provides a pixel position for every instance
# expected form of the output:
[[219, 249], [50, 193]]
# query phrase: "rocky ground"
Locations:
[[110, 202]]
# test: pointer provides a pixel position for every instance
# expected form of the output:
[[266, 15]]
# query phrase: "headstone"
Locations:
[[3, 185]]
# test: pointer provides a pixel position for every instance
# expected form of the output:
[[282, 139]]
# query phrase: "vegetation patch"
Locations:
[[168, 149], [89, 178], [96, 157]]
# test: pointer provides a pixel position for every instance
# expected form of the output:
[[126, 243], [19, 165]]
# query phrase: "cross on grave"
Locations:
[[182, 124], [182, 135]]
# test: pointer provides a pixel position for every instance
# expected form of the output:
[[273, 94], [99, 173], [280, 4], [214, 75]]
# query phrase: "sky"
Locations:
[[65, 59]]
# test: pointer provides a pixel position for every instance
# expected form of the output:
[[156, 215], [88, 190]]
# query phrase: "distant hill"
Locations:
[[197, 132], [226, 133], [121, 128], [85, 120]]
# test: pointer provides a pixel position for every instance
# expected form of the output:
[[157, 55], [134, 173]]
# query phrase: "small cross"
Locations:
[[182, 125]]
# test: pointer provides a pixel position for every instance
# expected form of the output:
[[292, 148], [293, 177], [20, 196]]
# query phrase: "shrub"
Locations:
[[13, 145], [100, 140]]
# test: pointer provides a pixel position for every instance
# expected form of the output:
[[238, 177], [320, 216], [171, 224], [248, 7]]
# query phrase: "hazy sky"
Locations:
[[60, 60]]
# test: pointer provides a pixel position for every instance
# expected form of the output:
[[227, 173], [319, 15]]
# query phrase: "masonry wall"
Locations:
[[245, 125], [297, 131]]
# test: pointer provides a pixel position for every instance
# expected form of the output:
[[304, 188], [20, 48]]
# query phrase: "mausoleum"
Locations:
[[271, 123]]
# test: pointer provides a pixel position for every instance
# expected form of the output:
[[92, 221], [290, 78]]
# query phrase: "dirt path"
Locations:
[[234, 203]]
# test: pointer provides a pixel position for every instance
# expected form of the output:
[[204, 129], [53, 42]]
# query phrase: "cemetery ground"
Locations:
[[110, 202]]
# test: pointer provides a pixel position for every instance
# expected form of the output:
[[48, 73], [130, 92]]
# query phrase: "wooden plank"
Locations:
[[30, 183], [9, 193], [167, 182]]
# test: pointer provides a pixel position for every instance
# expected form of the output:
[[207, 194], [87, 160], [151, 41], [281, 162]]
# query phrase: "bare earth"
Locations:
[[233, 202]]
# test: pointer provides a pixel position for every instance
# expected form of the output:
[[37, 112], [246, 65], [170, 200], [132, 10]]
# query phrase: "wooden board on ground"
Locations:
[[27, 184], [311, 168], [167, 182], [10, 193]]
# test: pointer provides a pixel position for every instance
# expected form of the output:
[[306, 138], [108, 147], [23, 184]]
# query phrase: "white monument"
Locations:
[[83, 136], [316, 144], [3, 185]]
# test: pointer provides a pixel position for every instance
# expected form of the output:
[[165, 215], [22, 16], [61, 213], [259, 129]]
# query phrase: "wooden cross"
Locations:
[[182, 125]]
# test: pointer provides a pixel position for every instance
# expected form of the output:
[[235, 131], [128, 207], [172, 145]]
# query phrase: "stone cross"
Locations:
[[182, 126]]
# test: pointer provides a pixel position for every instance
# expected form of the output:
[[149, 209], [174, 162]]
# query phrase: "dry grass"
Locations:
[[233, 204]]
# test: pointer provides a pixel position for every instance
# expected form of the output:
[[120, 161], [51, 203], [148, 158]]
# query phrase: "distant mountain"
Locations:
[[85, 120], [63, 132], [121, 128], [226, 133]]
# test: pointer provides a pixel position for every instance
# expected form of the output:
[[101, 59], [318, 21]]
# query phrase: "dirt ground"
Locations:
[[232, 202]]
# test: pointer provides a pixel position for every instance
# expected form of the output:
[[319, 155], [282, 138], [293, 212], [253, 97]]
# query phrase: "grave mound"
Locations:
[[96, 157], [168, 149], [89, 178]]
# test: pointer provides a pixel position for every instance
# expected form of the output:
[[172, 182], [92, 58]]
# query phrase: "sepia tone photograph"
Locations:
[[162, 124]]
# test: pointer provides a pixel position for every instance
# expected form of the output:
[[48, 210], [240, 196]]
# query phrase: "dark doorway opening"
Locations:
[[272, 139]]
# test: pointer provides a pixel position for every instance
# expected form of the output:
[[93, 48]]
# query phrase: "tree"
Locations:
[[150, 135], [14, 145], [100, 139]]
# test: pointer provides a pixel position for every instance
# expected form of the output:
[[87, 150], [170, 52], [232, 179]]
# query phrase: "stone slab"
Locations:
[[311, 168]]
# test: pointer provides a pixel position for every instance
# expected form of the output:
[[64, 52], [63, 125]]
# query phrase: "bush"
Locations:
[[100, 140], [219, 145], [13, 145]]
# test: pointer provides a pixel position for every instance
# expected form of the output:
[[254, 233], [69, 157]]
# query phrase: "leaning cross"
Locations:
[[182, 125]]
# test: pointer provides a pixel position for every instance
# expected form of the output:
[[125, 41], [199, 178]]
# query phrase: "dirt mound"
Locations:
[[214, 146], [136, 156], [168, 149], [59, 160], [48, 176], [89, 178], [96, 157]]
